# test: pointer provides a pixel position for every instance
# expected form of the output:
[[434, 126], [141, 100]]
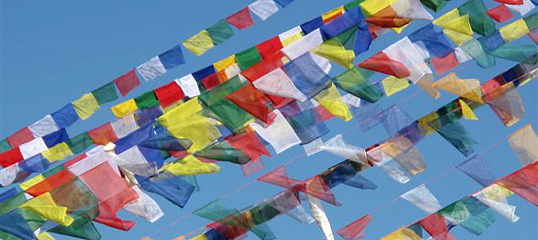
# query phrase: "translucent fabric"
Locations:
[[279, 133], [199, 43], [279, 84], [308, 73], [403, 152], [32, 148], [336, 52], [355, 82], [355, 230], [331, 100], [174, 188], [337, 146], [524, 143], [45, 206], [21, 136], [303, 45], [249, 144], [321, 217], [188, 85], [466, 88], [290, 36], [190, 165], [254, 102], [469, 213], [103, 134], [14, 223], [151, 69], [241, 19], [411, 9], [85, 106], [111, 196], [435, 225], [392, 85], [304, 120], [347, 173], [404, 52], [247, 58], [81, 228], [231, 115], [287, 202], [388, 18], [524, 183], [268, 48], [478, 170], [263, 8], [124, 126], [494, 196], [403, 233], [506, 103], [144, 206], [466, 111], [444, 64], [422, 198], [165, 141], [428, 41], [456, 27], [455, 133], [474, 49], [389, 165], [514, 31]]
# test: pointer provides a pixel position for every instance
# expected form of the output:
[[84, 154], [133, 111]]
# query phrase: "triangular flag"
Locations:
[[467, 111]]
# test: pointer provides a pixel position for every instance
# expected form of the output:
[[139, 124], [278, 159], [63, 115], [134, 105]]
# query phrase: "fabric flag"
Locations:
[[471, 214], [287, 202], [444, 64], [422, 198], [426, 85], [347, 173], [321, 217], [403, 233], [309, 73], [85, 106], [279, 84], [455, 133], [79, 143], [312, 25], [220, 32], [331, 15], [411, 9], [355, 230], [151, 69], [403, 51], [263, 8], [174, 188], [105, 94], [478, 170], [32, 148], [279, 133], [474, 49], [480, 22], [335, 50], [254, 102], [247, 58], [45, 206], [392, 85], [172, 58], [304, 120], [188, 86], [355, 82], [144, 206], [514, 31], [169, 93], [127, 82], [124, 126], [500, 13], [337, 146], [65, 117], [515, 53], [15, 224], [523, 8], [146, 100], [331, 100], [124, 108], [506, 103], [303, 45], [290, 36], [190, 165], [103, 134], [138, 161], [524, 143], [199, 43], [466, 88], [457, 27], [241, 19], [81, 228], [524, 183], [408, 157], [43, 126], [381, 62], [224, 63], [494, 196], [389, 165], [467, 111], [435, 225], [269, 47], [428, 41]]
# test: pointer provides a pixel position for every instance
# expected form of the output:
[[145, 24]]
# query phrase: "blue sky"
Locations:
[[55, 51]]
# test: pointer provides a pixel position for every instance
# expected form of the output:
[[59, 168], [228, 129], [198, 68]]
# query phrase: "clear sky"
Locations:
[[54, 51]]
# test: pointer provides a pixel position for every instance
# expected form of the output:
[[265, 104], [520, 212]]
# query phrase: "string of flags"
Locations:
[[279, 98]]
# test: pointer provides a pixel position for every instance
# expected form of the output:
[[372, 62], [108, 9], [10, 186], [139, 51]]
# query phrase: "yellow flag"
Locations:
[[199, 237], [199, 43], [374, 6], [181, 112], [44, 236], [86, 105], [402, 234], [32, 182], [224, 63], [334, 51], [393, 84], [497, 192], [466, 111], [124, 108], [514, 31], [291, 39], [58, 152], [331, 100], [447, 17], [45, 206], [424, 123], [465, 88], [190, 165], [332, 13]]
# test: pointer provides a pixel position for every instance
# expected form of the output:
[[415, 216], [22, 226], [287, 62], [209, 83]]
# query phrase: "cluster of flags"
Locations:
[[277, 93]]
